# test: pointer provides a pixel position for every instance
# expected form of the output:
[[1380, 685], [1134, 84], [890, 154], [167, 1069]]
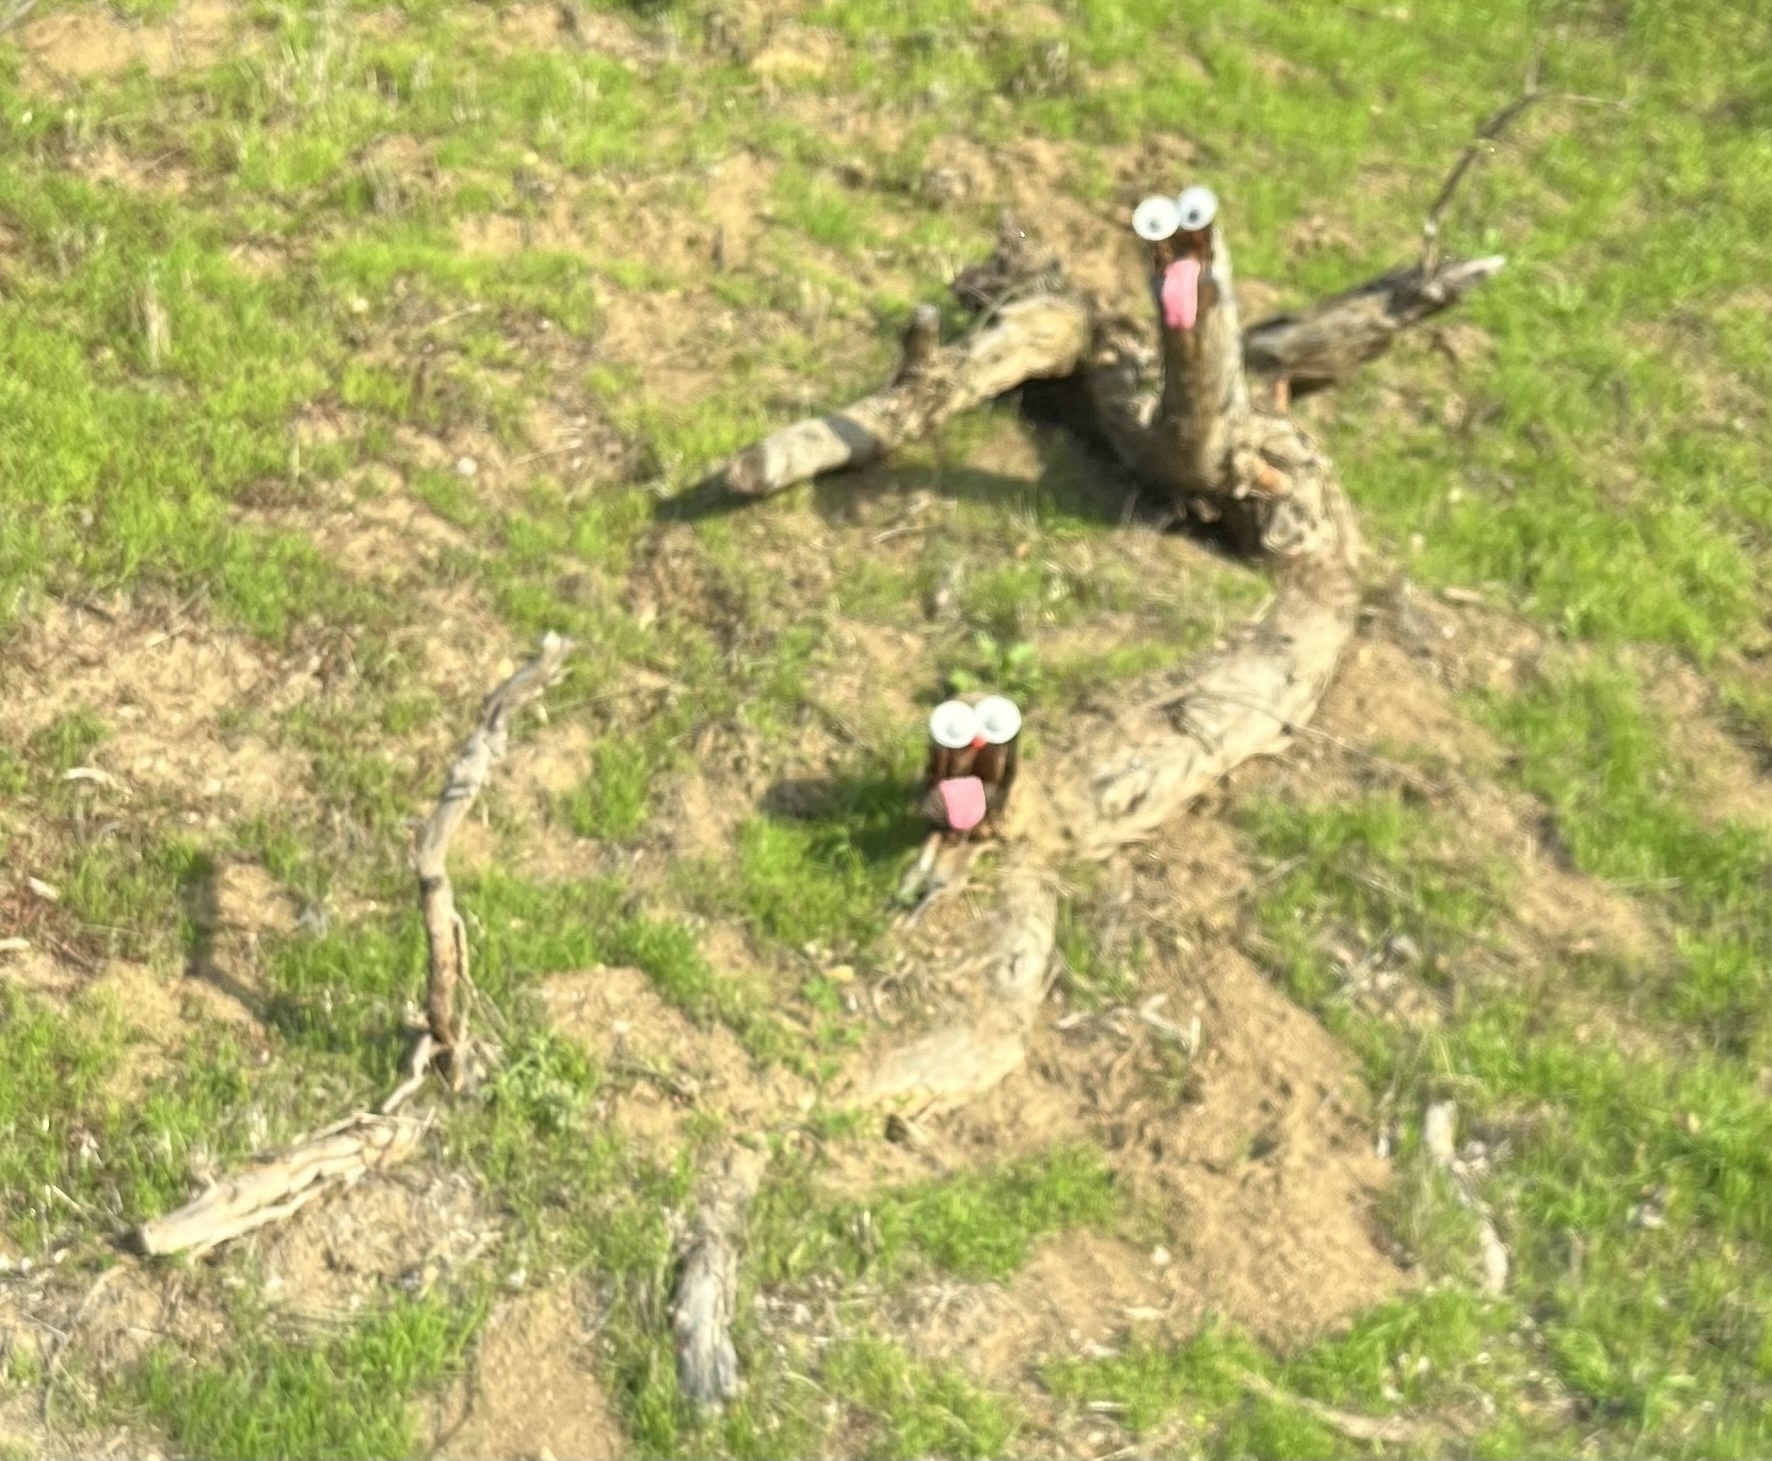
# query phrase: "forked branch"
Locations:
[[1032, 338], [1484, 141]]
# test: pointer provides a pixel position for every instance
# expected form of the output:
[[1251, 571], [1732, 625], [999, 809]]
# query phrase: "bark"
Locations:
[[1276, 489], [1032, 338], [282, 1185], [445, 935], [1324, 345], [706, 1295]]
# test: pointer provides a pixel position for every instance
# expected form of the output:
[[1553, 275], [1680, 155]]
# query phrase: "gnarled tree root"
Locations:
[[706, 1296], [280, 1186], [1177, 740]]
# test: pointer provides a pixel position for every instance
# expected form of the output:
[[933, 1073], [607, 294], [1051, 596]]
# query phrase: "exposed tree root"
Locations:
[[1327, 343], [280, 1186], [1041, 336], [1387, 1430], [1121, 776], [707, 1283], [445, 937]]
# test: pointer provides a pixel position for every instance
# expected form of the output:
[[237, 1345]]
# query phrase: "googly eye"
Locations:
[[999, 719], [1196, 208], [953, 724], [1156, 219]]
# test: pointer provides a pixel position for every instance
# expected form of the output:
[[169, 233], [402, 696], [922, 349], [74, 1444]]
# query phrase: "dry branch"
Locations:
[[707, 1283], [1032, 338], [1438, 1135], [445, 935], [1389, 1430], [1327, 343], [280, 1186], [16, 14]]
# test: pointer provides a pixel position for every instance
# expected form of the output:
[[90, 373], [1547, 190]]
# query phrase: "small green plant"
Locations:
[[1013, 669]]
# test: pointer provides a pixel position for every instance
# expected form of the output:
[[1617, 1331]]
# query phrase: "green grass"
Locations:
[[1643, 1334], [973, 1225], [341, 1398], [346, 249], [909, 1410]]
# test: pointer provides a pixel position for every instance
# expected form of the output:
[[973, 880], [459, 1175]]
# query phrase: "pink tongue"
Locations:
[[1181, 293], [964, 799]]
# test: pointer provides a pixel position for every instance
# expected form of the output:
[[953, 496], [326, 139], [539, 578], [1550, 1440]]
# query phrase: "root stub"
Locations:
[[943, 1070]]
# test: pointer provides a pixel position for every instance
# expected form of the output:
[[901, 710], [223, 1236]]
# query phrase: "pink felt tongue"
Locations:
[[1181, 293], [964, 799]]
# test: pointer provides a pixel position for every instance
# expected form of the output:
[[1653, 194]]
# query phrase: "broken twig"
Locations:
[[445, 934]]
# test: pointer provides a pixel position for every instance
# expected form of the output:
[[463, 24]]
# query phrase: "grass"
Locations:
[[974, 1226], [316, 266], [342, 1398], [1637, 1322]]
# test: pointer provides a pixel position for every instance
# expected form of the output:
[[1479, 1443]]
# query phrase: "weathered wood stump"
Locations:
[[1176, 412]]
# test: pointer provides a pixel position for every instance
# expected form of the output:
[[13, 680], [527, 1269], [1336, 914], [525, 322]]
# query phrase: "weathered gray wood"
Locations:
[[280, 1186], [1032, 338], [445, 936], [1325, 344], [706, 1294]]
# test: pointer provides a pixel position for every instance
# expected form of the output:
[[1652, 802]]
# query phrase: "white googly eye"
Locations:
[[999, 719], [1195, 208], [1156, 219], [953, 724]]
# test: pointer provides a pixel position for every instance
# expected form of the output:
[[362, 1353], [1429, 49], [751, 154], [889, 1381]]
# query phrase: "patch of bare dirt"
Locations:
[[157, 1013], [1382, 699], [231, 914], [87, 1332], [794, 51], [109, 163], [872, 675], [133, 1306], [555, 26], [383, 536], [704, 813], [1725, 782], [732, 203], [672, 335], [405, 1228], [531, 1392], [1394, 697], [86, 42], [164, 681], [662, 1065], [22, 1432], [1260, 1152], [1077, 1295]]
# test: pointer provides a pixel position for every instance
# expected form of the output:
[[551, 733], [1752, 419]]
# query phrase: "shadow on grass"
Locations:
[[360, 1031], [874, 812], [200, 900]]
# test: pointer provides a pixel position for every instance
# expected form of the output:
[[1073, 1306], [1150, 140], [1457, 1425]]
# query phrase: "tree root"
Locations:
[[280, 1186]]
